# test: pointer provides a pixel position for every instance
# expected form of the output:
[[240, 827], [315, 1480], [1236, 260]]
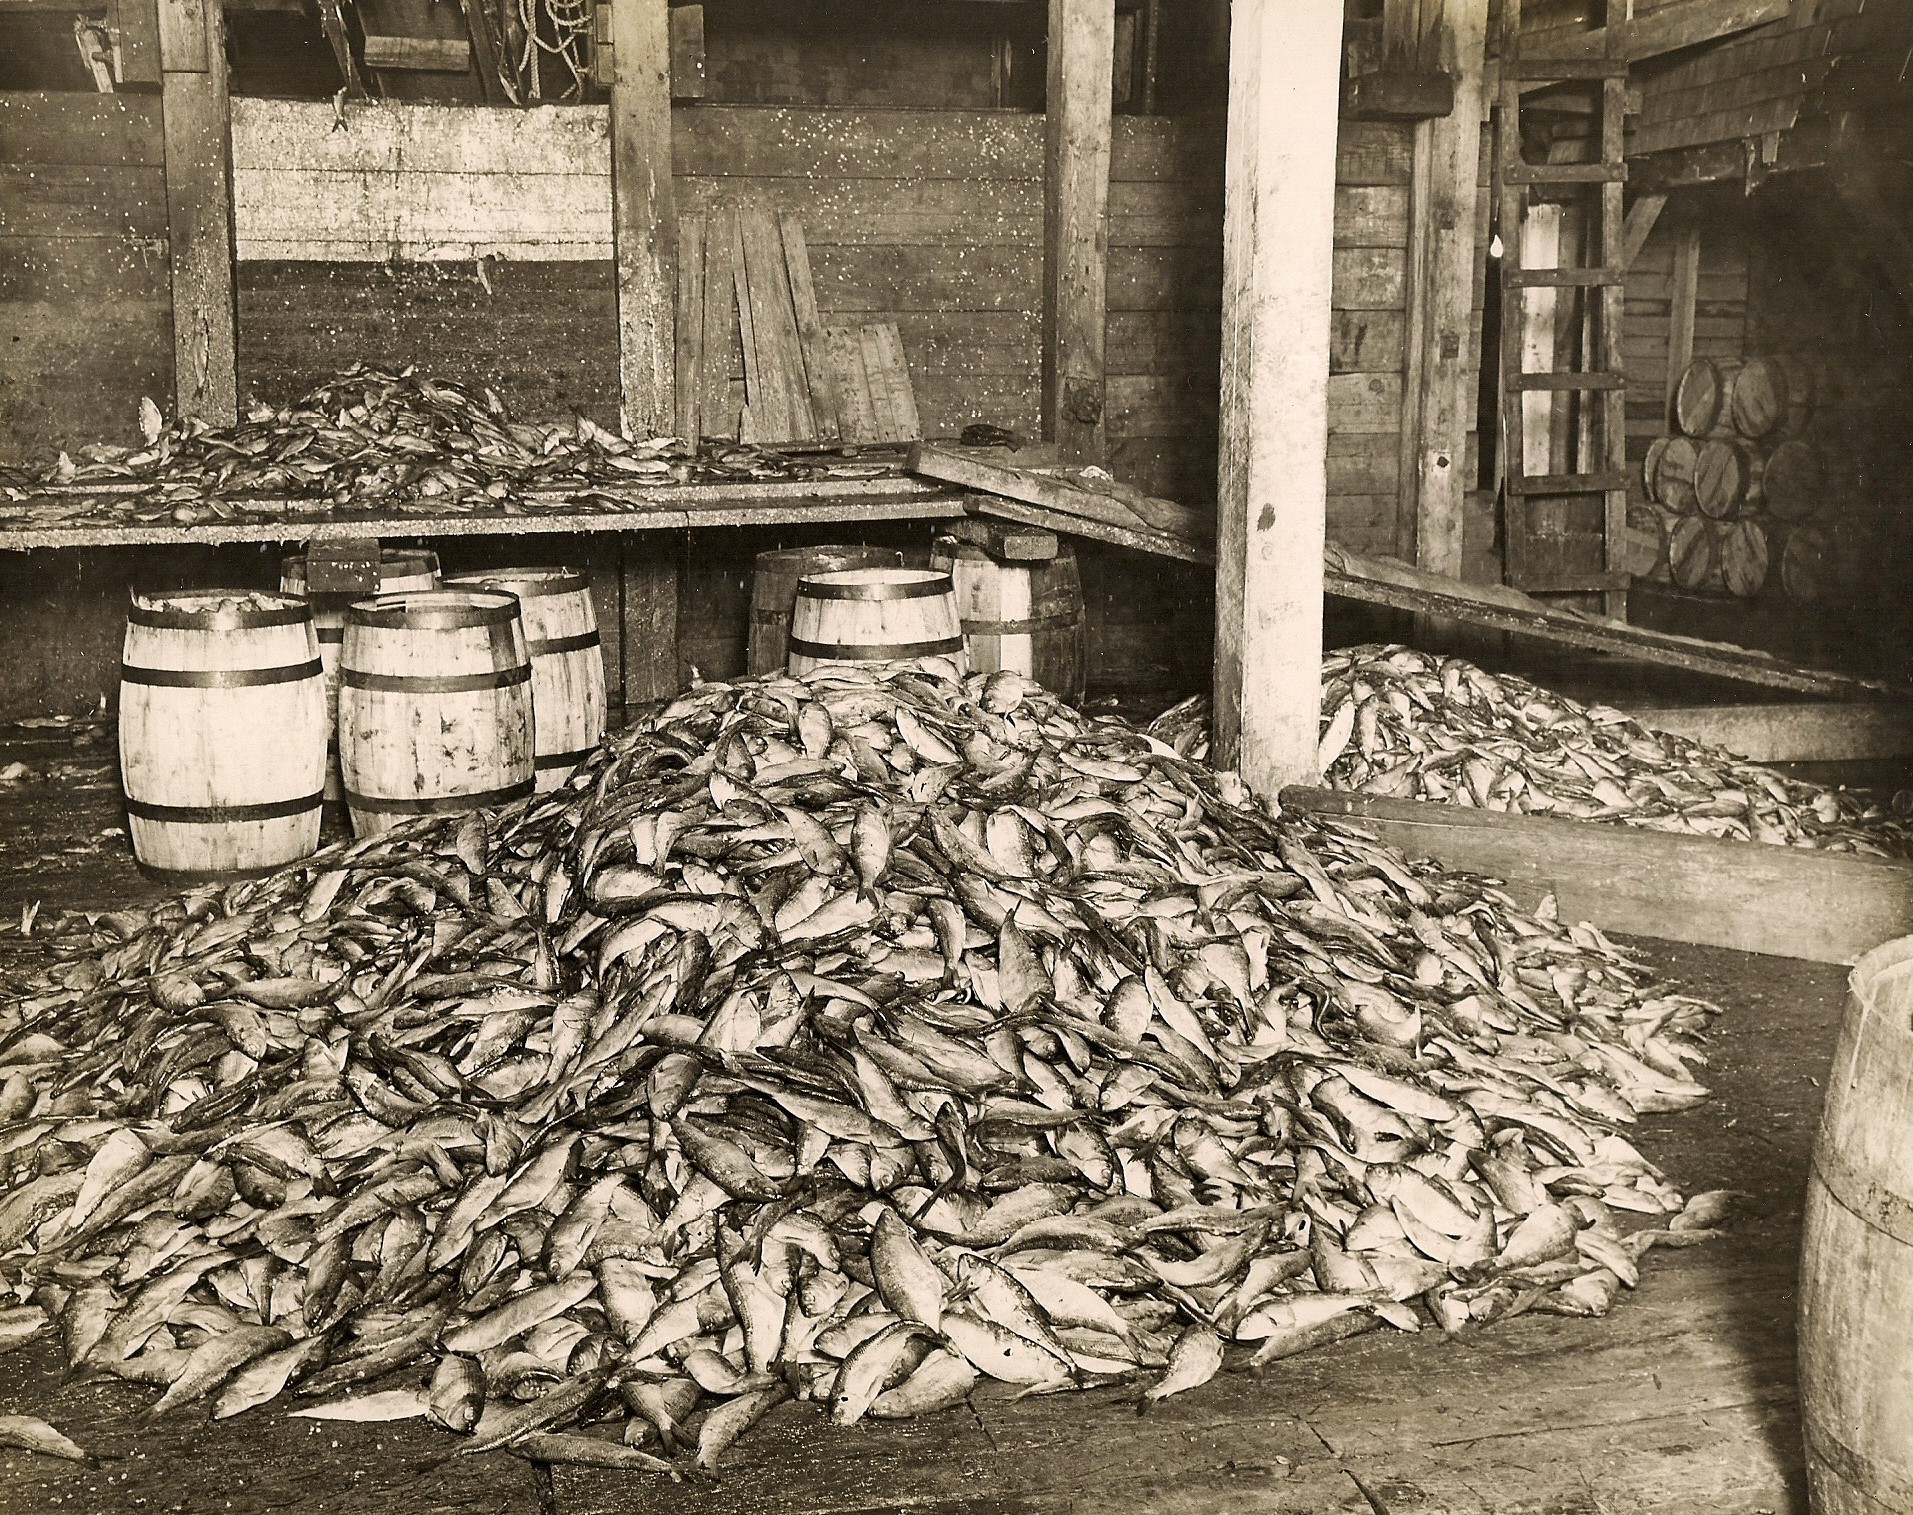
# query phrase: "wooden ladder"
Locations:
[[1542, 518]]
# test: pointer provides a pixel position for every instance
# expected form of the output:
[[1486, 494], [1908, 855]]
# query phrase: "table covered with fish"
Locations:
[[860, 1040]]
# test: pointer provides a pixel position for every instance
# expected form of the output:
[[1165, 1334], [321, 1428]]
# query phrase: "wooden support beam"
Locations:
[[197, 126], [1076, 224], [644, 214], [649, 631], [1445, 399], [1278, 232], [135, 25], [1826, 907], [1639, 226], [1680, 311]]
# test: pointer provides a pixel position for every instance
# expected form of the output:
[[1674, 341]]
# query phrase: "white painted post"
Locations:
[[1278, 236]]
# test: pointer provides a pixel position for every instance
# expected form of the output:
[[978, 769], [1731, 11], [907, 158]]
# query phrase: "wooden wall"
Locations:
[[1729, 234], [85, 295]]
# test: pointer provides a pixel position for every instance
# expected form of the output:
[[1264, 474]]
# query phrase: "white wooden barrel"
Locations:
[[1856, 1265], [774, 592], [874, 615], [567, 662], [1024, 617], [434, 705], [222, 731], [399, 568]]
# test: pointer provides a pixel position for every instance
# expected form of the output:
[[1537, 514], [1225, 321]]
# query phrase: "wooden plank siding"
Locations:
[[1720, 318], [85, 295], [932, 219]]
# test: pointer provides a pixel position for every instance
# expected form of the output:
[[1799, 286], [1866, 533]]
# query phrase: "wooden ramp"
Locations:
[[1089, 503]]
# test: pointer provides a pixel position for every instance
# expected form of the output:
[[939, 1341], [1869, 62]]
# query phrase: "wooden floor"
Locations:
[[1683, 1399]]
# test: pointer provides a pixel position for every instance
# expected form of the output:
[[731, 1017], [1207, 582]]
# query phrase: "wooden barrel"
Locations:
[[1674, 475], [434, 705], [222, 731], [874, 615], [1856, 1264], [774, 591], [1644, 555], [1693, 553], [1771, 396], [567, 662], [1744, 556], [1796, 481], [1650, 466], [1026, 617], [1722, 470], [399, 568], [1701, 395]]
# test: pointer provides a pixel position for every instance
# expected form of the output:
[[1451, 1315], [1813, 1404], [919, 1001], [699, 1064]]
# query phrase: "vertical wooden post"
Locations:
[[1446, 310], [643, 214], [650, 630], [1082, 42], [1680, 310], [1278, 230], [198, 135]]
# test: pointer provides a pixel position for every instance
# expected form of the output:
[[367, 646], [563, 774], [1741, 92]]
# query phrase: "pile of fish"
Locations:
[[398, 442], [851, 1039], [1417, 726]]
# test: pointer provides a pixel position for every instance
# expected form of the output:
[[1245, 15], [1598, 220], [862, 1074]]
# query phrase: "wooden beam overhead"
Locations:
[[1278, 234], [644, 214], [196, 122], [1681, 24], [1076, 224]]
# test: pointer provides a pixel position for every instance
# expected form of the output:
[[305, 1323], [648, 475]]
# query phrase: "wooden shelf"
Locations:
[[659, 508]]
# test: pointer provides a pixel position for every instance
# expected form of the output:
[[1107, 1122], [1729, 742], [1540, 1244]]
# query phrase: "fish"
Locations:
[[849, 1038]]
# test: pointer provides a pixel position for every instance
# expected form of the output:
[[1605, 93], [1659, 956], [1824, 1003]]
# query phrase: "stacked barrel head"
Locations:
[[1752, 490]]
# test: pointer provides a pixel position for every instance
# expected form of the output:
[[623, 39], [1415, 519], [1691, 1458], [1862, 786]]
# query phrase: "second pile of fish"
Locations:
[[396, 442], [854, 1040], [1414, 725]]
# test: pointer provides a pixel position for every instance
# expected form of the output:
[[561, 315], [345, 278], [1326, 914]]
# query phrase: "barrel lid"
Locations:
[[525, 583], [217, 610], [434, 609], [875, 584]]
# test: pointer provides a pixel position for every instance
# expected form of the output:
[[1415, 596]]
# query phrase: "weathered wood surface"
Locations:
[[1384, 583], [1442, 408], [660, 509], [1077, 133], [83, 229], [644, 215], [1278, 255], [196, 121], [1790, 902], [1804, 733]]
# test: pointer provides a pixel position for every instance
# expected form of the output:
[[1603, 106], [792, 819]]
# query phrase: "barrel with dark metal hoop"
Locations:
[[874, 615], [434, 705], [567, 662], [399, 568], [222, 732]]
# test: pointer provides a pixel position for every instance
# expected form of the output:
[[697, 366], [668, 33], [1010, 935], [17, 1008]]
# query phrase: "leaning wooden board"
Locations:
[[1825, 907], [1044, 496]]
